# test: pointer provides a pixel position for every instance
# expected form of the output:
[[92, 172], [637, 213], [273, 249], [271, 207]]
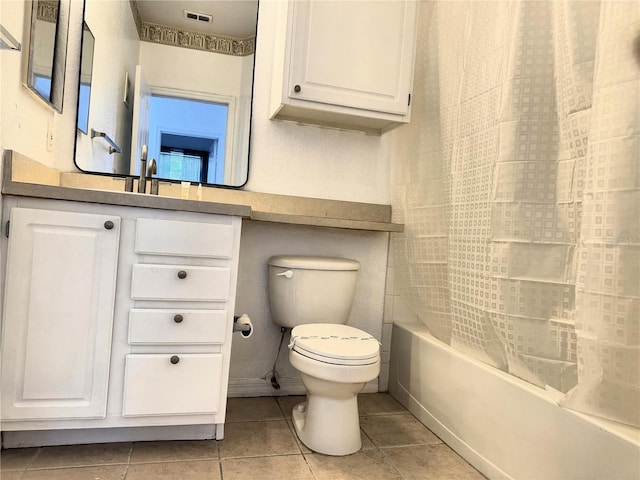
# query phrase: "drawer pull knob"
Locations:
[[297, 89], [178, 318], [108, 225], [175, 359], [182, 274]]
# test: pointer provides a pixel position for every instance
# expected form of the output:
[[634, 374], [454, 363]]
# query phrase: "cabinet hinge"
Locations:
[[6, 228], [409, 101]]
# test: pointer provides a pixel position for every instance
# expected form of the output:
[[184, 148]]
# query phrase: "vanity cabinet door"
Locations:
[[352, 61], [58, 314]]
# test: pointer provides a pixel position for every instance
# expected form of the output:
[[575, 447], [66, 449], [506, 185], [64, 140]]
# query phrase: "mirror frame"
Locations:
[[59, 57], [86, 33], [168, 180]]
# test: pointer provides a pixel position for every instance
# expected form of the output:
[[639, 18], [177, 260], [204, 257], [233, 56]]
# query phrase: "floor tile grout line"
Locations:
[[173, 460], [388, 460], [433, 444], [130, 453], [83, 465], [257, 421], [126, 471], [284, 414], [31, 462], [362, 432], [220, 465], [384, 414], [304, 457], [263, 456], [296, 439]]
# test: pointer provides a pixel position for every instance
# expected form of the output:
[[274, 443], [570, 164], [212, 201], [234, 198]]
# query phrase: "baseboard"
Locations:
[[259, 387], [43, 438]]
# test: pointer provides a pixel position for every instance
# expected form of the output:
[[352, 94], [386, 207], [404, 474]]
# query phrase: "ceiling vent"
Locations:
[[199, 17]]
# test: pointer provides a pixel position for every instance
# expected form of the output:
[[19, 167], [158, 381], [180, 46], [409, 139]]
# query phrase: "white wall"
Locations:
[[191, 70], [25, 117]]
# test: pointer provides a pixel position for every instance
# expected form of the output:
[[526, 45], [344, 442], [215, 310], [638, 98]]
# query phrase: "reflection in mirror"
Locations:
[[48, 50], [86, 67], [193, 59], [187, 138]]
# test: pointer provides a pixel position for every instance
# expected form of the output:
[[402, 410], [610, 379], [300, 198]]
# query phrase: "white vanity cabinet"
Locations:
[[116, 316], [58, 314], [347, 64]]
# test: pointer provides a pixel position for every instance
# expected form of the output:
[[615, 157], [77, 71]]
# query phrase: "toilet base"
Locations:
[[328, 425]]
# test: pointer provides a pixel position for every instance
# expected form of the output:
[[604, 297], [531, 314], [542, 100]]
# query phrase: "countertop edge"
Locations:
[[246, 211], [326, 222], [123, 199]]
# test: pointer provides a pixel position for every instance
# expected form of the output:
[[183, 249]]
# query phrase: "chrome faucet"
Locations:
[[142, 181], [153, 169]]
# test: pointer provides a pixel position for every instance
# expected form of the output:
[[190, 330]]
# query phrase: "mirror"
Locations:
[[86, 69], [48, 50], [176, 76]]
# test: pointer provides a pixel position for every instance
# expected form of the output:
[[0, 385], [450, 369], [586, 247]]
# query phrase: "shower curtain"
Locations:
[[518, 181]]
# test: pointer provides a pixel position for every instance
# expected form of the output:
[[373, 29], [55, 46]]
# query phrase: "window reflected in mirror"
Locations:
[[188, 138]]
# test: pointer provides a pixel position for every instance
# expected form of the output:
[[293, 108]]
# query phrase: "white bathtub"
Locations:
[[504, 427]]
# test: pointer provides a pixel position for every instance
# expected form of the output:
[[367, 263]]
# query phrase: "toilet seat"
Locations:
[[335, 344]]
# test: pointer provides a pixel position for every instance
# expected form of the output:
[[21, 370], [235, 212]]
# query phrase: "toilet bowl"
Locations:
[[335, 362], [313, 296]]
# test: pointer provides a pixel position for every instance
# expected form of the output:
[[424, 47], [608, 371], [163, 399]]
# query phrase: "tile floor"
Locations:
[[259, 444]]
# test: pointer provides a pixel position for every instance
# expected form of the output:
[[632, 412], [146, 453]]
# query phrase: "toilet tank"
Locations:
[[311, 289]]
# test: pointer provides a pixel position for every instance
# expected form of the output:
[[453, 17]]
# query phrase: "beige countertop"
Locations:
[[23, 176]]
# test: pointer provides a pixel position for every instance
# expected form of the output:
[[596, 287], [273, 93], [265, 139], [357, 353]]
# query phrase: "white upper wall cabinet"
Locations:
[[346, 64]]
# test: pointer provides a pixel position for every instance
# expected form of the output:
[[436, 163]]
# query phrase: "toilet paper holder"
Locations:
[[243, 325]]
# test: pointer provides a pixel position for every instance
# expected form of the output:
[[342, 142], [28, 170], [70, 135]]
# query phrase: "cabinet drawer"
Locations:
[[154, 385], [172, 327], [163, 282], [190, 239]]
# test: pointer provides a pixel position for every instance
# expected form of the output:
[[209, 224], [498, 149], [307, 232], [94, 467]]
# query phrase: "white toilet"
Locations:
[[313, 295]]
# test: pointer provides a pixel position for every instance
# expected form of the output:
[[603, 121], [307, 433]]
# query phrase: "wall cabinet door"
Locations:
[[58, 314], [351, 60], [354, 54]]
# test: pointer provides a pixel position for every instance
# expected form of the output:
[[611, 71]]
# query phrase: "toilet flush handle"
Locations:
[[287, 274]]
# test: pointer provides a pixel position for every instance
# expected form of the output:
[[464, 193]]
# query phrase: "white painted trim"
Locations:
[[43, 438], [259, 387]]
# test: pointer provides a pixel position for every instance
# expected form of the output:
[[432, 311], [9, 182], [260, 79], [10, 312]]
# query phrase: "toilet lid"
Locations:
[[335, 344]]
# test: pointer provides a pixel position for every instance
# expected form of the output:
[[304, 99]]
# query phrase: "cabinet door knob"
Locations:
[[297, 88], [178, 318], [182, 274], [108, 225], [175, 359]]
